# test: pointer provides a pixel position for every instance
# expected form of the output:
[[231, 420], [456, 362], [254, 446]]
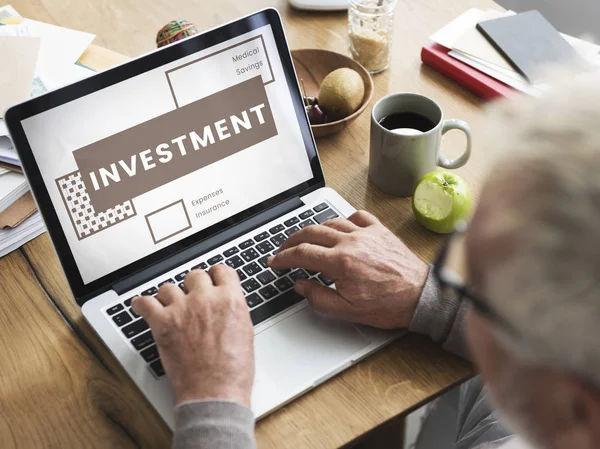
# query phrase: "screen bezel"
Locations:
[[15, 115]]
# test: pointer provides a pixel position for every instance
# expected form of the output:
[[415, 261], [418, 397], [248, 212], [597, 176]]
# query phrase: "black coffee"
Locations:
[[410, 120]]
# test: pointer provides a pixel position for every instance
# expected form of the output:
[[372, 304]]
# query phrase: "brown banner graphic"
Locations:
[[140, 159]]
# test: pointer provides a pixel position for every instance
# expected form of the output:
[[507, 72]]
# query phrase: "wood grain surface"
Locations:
[[61, 388], [55, 390]]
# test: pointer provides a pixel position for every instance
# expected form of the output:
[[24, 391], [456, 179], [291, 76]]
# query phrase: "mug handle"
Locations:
[[462, 160]]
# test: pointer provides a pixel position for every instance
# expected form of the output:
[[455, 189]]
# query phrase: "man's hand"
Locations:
[[378, 279], [205, 337]]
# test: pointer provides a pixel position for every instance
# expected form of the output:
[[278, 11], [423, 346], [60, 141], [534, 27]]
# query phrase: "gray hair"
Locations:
[[546, 278]]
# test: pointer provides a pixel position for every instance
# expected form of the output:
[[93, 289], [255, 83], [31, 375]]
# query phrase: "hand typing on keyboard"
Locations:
[[378, 279], [205, 336]]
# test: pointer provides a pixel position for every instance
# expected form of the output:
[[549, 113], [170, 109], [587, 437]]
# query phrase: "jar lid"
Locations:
[[373, 7]]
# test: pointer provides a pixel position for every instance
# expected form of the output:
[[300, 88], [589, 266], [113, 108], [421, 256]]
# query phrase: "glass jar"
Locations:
[[370, 30]]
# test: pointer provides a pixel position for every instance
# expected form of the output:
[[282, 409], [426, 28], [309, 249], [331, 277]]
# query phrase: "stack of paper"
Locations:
[[36, 57], [13, 238], [8, 154], [468, 45], [12, 187], [19, 219]]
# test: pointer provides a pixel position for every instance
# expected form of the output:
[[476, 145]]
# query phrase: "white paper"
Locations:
[[523, 86], [8, 11], [19, 54], [449, 34], [59, 74], [4, 171], [503, 71], [37, 85], [70, 74], [10, 182], [3, 128], [60, 48], [14, 30]]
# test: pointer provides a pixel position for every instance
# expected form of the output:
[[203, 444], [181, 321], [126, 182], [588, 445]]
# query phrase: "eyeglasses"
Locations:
[[450, 270]]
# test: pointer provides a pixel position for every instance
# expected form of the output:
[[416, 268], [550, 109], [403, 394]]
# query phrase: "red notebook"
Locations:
[[482, 85]]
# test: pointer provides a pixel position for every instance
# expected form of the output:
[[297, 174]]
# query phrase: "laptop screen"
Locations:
[[148, 161]]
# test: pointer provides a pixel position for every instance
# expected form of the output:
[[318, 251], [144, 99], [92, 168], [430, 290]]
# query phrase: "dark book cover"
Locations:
[[530, 43]]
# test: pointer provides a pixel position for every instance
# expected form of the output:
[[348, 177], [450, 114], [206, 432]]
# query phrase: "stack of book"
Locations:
[[36, 57], [461, 52]]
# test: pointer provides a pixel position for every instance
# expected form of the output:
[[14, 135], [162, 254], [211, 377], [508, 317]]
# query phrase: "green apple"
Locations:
[[442, 199]]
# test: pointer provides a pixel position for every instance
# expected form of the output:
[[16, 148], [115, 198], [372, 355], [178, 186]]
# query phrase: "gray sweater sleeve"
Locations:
[[213, 425], [441, 317]]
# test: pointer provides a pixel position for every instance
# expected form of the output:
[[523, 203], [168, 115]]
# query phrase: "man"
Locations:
[[528, 302]]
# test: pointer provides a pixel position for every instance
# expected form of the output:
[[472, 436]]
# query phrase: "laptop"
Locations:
[[196, 154]]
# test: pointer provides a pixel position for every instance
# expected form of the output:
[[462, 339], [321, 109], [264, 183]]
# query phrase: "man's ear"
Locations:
[[585, 402], [582, 414]]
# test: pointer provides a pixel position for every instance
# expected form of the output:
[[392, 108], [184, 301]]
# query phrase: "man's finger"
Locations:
[[223, 275], [316, 235], [341, 224], [148, 307], [363, 219], [324, 299], [169, 293], [197, 280], [305, 255]]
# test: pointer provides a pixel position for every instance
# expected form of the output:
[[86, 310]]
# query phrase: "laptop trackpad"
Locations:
[[305, 347]]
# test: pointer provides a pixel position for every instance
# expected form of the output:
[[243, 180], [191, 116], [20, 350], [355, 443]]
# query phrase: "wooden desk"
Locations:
[[61, 388]]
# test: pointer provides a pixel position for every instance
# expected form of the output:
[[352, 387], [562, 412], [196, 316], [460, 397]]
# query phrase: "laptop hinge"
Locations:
[[207, 245]]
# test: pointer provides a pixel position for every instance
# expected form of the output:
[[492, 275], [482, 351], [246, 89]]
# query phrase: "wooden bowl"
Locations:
[[313, 65]]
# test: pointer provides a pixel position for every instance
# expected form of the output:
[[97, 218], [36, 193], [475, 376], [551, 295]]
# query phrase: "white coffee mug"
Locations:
[[400, 158]]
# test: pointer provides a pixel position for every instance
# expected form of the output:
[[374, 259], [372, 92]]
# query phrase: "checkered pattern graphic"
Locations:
[[86, 221]]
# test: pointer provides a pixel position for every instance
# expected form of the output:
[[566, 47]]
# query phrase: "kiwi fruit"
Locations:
[[341, 93]]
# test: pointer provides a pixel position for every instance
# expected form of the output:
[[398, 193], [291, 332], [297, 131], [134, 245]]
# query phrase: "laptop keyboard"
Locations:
[[268, 292]]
